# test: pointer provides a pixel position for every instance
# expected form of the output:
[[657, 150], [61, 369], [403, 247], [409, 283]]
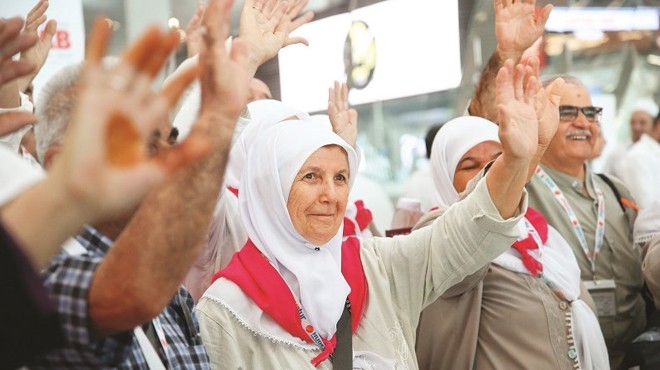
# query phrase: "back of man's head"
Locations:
[[57, 103]]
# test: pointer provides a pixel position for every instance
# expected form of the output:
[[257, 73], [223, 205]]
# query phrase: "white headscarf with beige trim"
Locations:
[[313, 274]]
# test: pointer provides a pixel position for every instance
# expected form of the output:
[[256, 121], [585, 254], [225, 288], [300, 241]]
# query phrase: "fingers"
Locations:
[[172, 92], [343, 96], [542, 16], [294, 25], [98, 41], [498, 5], [35, 16], [296, 40], [20, 43], [193, 148], [49, 30], [295, 8], [13, 69], [518, 78], [196, 19], [168, 44], [257, 4], [9, 32], [278, 20], [304, 19], [12, 121], [531, 90], [216, 20], [271, 5], [555, 90], [140, 53], [503, 84]]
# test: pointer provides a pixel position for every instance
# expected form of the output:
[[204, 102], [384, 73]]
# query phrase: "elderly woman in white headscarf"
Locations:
[[523, 311], [226, 233], [297, 297]]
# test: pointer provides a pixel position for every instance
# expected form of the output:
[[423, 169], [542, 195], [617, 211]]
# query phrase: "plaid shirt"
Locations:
[[68, 279]]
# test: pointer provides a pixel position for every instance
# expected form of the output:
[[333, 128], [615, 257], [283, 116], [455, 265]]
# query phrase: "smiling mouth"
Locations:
[[580, 135]]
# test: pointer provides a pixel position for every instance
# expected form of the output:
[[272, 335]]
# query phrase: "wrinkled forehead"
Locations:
[[328, 155], [575, 94]]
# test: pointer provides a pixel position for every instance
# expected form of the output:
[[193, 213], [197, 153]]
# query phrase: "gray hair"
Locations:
[[55, 108], [569, 79], [56, 105]]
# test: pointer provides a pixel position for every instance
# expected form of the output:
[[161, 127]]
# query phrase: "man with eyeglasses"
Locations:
[[582, 206], [587, 211]]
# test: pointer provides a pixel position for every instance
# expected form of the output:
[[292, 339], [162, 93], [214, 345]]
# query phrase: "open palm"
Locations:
[[518, 123], [517, 25]]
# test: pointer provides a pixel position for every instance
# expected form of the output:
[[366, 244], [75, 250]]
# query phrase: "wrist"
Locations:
[[505, 54], [255, 56], [66, 200], [515, 162], [216, 125]]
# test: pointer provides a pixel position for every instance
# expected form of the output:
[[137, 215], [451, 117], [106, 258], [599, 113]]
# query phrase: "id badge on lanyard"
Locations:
[[602, 291]]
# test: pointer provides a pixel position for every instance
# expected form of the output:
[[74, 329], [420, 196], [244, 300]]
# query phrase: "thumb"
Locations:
[[555, 90]]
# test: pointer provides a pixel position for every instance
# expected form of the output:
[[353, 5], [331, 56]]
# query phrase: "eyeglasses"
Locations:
[[570, 112]]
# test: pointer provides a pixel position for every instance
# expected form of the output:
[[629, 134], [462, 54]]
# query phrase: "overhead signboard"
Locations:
[[389, 50], [564, 19]]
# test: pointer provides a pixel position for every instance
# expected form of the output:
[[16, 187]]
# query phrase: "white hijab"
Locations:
[[451, 143], [458, 137], [226, 234], [263, 115], [314, 276]]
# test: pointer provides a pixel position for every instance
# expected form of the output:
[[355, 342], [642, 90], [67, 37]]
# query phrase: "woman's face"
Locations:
[[473, 161], [319, 193]]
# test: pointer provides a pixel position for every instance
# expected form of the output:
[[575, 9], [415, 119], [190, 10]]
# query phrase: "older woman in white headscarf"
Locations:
[[296, 294], [524, 310], [226, 233]]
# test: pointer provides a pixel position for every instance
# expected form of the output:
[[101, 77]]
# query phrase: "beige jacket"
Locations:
[[404, 275], [495, 319]]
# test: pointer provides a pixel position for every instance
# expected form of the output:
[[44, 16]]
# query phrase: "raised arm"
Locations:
[[265, 26], [194, 30], [343, 118], [38, 53], [547, 110], [517, 27], [157, 248], [12, 41], [519, 132], [104, 170]]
